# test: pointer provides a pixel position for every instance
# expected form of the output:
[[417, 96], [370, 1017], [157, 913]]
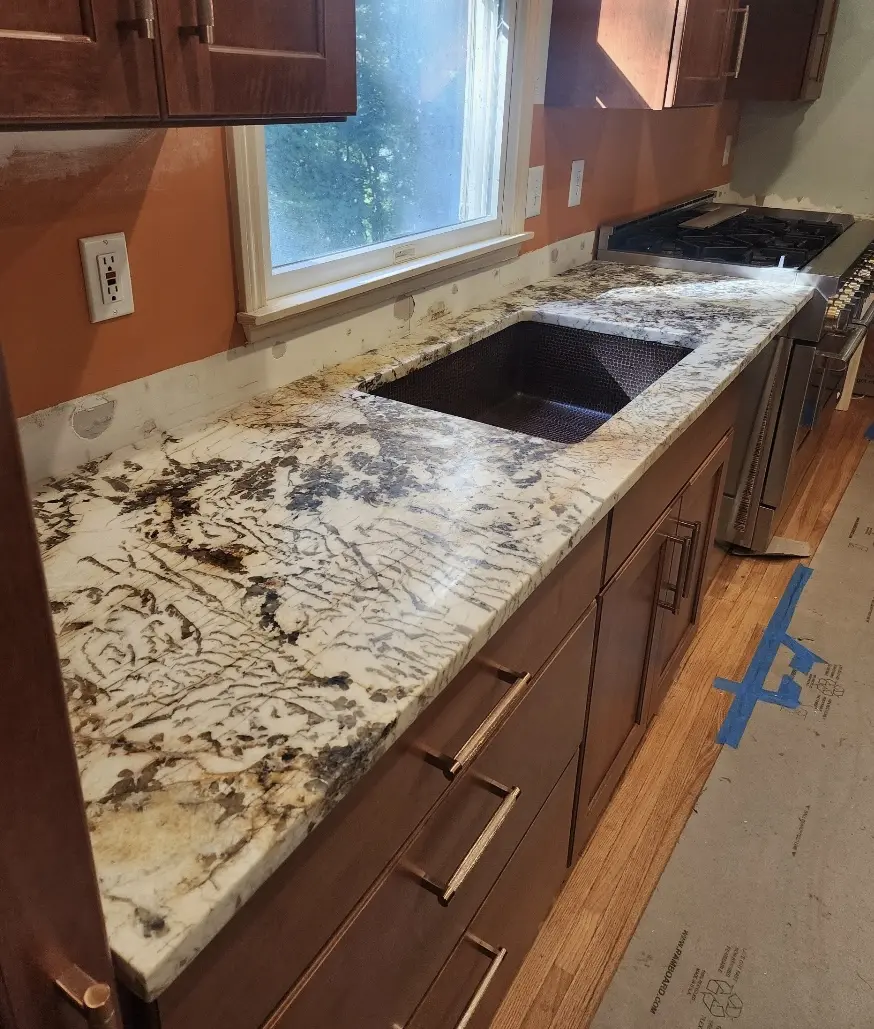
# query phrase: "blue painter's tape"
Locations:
[[751, 690], [870, 433]]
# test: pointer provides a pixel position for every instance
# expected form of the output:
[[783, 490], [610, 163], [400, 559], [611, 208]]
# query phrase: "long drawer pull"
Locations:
[[677, 588], [695, 529], [742, 45], [497, 956], [453, 765], [472, 857], [143, 22], [205, 27]]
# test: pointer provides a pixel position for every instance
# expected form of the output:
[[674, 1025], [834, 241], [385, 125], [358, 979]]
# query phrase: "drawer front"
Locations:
[[635, 514], [283, 927], [376, 973], [473, 982]]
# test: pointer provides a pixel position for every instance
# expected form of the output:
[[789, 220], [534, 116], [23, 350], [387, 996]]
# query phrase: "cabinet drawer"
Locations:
[[278, 933], [634, 515], [377, 971], [476, 977]]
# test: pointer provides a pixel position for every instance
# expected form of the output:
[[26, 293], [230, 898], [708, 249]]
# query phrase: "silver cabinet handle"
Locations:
[[497, 956], [677, 588], [452, 765], [695, 528], [743, 41], [471, 858], [143, 21], [204, 29]]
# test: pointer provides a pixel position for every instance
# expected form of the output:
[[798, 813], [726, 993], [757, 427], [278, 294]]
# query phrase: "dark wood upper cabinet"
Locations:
[[640, 53], [786, 51], [75, 61], [242, 60], [686, 53], [159, 62]]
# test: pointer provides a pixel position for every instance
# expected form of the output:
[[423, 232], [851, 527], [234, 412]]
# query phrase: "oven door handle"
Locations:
[[849, 351]]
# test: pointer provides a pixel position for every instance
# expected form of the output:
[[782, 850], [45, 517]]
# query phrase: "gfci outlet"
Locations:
[[107, 276]]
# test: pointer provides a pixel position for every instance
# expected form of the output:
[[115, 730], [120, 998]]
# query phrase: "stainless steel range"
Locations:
[[794, 385]]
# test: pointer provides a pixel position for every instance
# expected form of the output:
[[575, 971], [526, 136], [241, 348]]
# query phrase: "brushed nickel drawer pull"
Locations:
[[205, 27], [472, 857], [143, 21], [743, 41], [695, 529], [497, 956], [677, 588], [453, 765]]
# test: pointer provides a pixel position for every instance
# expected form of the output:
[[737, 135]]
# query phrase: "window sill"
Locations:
[[267, 321]]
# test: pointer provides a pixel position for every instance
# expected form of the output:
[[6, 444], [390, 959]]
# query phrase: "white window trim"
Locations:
[[261, 308]]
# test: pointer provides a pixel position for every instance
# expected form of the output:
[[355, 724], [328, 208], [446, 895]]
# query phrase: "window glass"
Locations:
[[424, 152]]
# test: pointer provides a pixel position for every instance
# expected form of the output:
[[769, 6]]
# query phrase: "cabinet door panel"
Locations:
[[627, 637], [776, 51], [378, 970], [479, 972], [259, 59], [700, 72], [74, 60], [699, 508]]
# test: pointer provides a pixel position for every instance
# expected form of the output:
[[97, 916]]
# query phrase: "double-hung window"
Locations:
[[428, 170]]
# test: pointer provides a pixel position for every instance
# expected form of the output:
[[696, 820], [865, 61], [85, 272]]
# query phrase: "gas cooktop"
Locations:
[[754, 238]]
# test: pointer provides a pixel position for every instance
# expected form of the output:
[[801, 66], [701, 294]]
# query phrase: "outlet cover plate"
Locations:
[[107, 276], [534, 198], [578, 171]]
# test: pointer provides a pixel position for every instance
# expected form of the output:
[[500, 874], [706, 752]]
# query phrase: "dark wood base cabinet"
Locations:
[[479, 971], [413, 904]]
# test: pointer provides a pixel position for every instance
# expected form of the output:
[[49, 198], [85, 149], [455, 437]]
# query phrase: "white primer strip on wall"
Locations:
[[59, 439]]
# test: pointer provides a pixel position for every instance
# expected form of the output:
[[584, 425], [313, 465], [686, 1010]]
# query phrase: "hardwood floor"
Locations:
[[582, 942]]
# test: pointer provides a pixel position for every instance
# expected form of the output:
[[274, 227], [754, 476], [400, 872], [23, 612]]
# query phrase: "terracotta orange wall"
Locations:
[[635, 160], [168, 191]]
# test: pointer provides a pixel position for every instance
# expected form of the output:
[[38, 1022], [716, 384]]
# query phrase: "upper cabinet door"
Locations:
[[76, 61], [258, 59], [707, 47]]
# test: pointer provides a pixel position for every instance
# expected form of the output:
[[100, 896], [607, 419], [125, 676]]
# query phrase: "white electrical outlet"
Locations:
[[726, 153], [107, 276], [535, 191], [578, 171]]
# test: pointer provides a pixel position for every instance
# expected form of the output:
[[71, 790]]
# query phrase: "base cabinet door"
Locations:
[[692, 566], [479, 972], [624, 672], [377, 970]]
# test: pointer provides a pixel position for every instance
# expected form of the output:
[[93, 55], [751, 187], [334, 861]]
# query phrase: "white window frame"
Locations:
[[267, 299]]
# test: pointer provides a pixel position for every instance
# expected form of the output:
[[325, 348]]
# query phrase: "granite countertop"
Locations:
[[251, 611]]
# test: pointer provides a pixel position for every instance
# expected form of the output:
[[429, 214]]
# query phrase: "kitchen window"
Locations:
[[426, 174]]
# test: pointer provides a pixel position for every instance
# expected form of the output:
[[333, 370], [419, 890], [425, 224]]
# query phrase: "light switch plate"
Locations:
[[578, 171], [107, 276], [726, 154], [535, 191]]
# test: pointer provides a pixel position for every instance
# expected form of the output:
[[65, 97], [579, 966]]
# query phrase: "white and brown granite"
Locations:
[[250, 612]]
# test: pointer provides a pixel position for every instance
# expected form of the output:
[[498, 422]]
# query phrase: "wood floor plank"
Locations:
[[581, 944]]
